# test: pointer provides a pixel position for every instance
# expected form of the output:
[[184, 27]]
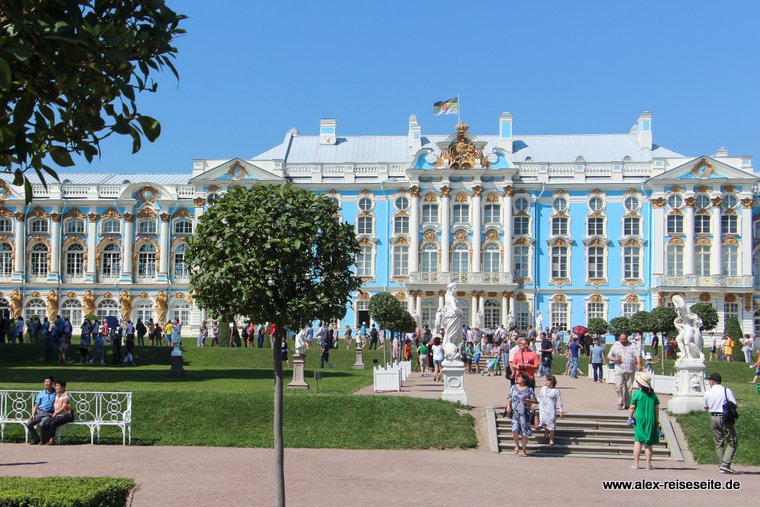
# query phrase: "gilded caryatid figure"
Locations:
[[126, 305], [52, 305], [162, 304], [88, 303], [17, 303]]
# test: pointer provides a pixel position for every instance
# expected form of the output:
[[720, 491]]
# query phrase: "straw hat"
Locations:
[[644, 379]]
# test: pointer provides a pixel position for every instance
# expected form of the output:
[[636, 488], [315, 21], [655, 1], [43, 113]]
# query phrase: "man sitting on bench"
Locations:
[[62, 413], [42, 413]]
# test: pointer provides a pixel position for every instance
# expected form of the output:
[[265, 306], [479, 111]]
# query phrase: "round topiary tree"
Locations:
[[641, 322], [663, 317], [708, 314], [619, 325], [598, 326]]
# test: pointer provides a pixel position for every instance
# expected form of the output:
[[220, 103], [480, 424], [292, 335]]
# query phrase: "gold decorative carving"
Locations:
[[597, 242], [56, 217], [596, 282], [147, 212], [477, 190], [401, 296], [731, 240], [492, 197], [429, 293], [509, 191], [148, 193], [17, 301], [362, 296], [461, 235], [658, 202], [748, 202], [19, 216], [524, 281], [461, 197], [702, 188], [93, 217], [415, 191], [492, 234], [430, 197], [632, 298], [75, 213], [520, 296], [445, 191], [596, 298], [5, 212], [633, 282], [462, 153], [702, 241], [560, 242], [704, 297], [162, 304], [523, 241], [35, 293], [365, 241], [39, 213], [560, 282], [675, 241], [182, 213], [164, 217], [88, 303], [237, 171], [690, 201], [675, 189], [430, 236], [111, 213], [129, 217], [52, 305], [716, 202], [198, 202], [747, 302], [401, 241], [730, 298], [179, 295], [702, 169], [107, 295], [729, 189], [559, 298]]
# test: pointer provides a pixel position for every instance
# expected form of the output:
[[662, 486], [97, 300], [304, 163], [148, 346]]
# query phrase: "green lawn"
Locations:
[[225, 399]]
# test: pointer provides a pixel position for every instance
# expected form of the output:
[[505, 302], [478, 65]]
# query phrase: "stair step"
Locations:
[[587, 449], [577, 424], [620, 416], [587, 440], [590, 455]]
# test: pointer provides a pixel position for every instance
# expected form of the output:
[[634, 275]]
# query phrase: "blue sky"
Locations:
[[251, 70]]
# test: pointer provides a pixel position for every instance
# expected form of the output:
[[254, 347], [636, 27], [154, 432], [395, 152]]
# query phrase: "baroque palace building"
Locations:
[[573, 226]]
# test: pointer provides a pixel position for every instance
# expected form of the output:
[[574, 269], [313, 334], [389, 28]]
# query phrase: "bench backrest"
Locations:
[[90, 406]]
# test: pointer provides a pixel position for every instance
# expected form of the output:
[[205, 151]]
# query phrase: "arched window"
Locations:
[[146, 226], [460, 259], [5, 309], [74, 261], [183, 227], [110, 226], [38, 260], [491, 256], [146, 261], [74, 226], [180, 266], [430, 258], [6, 260], [429, 309], [35, 307], [674, 260], [491, 314], [72, 309], [38, 225], [107, 308], [6, 225], [110, 265], [181, 311], [143, 310]]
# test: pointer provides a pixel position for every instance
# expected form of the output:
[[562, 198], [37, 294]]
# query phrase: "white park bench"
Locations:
[[94, 410]]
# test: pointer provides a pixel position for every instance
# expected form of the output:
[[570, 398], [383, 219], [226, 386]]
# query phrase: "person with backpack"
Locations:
[[327, 343], [373, 337], [720, 402], [141, 331]]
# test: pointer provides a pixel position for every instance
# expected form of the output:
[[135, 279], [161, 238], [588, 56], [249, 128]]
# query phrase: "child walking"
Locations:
[[549, 402]]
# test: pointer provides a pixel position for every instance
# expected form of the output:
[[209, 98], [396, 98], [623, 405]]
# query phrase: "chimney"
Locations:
[[721, 153], [505, 132], [644, 130], [414, 137], [327, 131]]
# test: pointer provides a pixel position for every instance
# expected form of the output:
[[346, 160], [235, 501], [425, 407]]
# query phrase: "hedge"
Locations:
[[65, 491]]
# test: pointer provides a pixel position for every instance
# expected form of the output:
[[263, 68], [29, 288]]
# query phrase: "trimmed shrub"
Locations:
[[65, 491], [734, 331]]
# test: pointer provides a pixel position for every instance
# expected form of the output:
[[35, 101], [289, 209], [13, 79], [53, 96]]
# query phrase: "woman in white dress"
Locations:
[[549, 402]]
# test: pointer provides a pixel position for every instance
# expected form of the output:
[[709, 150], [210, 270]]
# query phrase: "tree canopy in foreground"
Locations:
[[70, 72]]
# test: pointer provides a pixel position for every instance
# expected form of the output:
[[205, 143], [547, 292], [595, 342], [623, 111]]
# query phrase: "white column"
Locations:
[[441, 294], [198, 210], [414, 231], [410, 303], [688, 249], [163, 256], [507, 209], [55, 244], [716, 266], [418, 307], [91, 245], [445, 229], [658, 236], [19, 267], [746, 241], [474, 309], [126, 248], [504, 307], [476, 224]]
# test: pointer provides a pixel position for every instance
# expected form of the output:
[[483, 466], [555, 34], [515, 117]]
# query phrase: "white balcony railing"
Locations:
[[500, 278], [109, 190], [703, 281]]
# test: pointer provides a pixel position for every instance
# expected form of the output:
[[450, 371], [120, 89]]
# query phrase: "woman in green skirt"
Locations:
[[644, 415]]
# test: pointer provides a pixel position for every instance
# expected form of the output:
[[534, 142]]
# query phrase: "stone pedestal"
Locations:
[[298, 373], [689, 387], [178, 369], [453, 382], [359, 363]]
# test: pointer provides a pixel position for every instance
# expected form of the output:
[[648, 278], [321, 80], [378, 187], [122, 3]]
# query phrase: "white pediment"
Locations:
[[237, 170], [703, 170]]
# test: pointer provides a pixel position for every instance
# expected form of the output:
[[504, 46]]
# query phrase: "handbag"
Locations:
[[730, 414]]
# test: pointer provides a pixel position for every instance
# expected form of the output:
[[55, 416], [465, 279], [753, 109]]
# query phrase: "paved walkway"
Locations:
[[199, 476]]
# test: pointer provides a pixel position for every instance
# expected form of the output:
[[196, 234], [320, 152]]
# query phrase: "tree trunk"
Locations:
[[279, 448]]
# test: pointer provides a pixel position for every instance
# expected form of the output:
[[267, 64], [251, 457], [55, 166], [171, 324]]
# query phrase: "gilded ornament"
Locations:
[[509, 191], [632, 298], [690, 201], [445, 191], [659, 202], [148, 194], [164, 217], [56, 217], [596, 298], [198, 202], [430, 197], [237, 171], [716, 202], [559, 298], [477, 190], [748, 202], [93, 217], [415, 191], [492, 197]]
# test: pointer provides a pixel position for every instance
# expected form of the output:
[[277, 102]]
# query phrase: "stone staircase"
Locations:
[[584, 435]]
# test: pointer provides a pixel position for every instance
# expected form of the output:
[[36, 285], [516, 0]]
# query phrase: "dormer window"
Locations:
[[183, 227], [146, 226], [39, 225], [74, 226]]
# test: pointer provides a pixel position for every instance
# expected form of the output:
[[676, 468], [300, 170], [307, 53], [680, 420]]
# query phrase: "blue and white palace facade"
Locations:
[[573, 226]]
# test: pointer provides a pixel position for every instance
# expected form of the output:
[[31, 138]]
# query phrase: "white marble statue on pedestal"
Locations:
[[479, 320], [539, 322], [300, 342], [689, 339], [438, 321], [451, 322], [510, 321]]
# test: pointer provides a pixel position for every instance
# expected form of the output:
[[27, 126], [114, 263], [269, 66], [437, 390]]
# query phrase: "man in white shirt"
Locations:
[[724, 433], [713, 348], [627, 359]]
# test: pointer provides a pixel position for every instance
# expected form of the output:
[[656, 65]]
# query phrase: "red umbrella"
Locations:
[[580, 330]]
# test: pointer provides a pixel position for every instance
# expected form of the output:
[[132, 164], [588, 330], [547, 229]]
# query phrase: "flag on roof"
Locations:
[[450, 106]]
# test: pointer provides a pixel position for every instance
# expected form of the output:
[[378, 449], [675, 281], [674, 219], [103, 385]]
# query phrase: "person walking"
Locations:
[[141, 332], [347, 336], [546, 355], [597, 360], [520, 400], [747, 345], [627, 359], [574, 348], [215, 335], [724, 433], [728, 348], [549, 402], [327, 344], [437, 359], [644, 415], [757, 370], [713, 348]]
